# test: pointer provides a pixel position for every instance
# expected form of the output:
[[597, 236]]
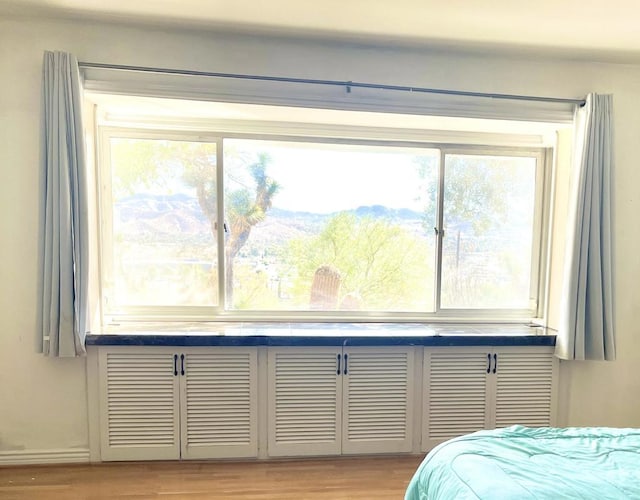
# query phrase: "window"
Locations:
[[220, 223], [489, 222], [159, 214]]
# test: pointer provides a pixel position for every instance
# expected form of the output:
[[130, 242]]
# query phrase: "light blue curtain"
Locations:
[[586, 329], [62, 321]]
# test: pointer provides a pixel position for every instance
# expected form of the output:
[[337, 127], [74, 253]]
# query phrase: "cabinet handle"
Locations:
[[175, 365], [346, 369], [489, 363], [181, 364], [495, 363], [338, 369]]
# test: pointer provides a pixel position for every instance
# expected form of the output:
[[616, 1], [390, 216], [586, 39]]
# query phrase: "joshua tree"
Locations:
[[143, 163], [244, 210]]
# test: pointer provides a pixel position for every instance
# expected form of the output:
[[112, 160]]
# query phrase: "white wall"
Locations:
[[43, 402]]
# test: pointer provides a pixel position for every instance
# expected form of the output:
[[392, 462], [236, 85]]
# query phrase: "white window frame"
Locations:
[[145, 313], [540, 223], [540, 237]]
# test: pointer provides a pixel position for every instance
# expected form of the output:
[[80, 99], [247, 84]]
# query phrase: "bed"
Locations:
[[525, 463]]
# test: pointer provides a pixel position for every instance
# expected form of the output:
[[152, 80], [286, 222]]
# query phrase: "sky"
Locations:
[[326, 178]]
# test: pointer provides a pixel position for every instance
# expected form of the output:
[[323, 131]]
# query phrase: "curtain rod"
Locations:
[[348, 85]]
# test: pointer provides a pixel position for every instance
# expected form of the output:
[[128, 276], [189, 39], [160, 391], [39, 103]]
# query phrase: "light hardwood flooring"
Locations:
[[367, 478]]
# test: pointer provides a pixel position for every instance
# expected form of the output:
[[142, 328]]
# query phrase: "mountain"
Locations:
[[180, 214]]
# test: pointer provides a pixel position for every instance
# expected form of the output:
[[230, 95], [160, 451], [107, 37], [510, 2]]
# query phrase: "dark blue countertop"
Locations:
[[323, 334]]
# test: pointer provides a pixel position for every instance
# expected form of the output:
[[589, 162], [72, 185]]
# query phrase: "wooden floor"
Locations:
[[369, 478]]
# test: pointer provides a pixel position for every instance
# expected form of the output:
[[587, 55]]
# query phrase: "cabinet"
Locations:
[[167, 403], [164, 403], [469, 389], [328, 401]]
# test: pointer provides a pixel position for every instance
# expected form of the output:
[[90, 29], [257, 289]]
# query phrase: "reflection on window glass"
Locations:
[[318, 227], [163, 248], [488, 222]]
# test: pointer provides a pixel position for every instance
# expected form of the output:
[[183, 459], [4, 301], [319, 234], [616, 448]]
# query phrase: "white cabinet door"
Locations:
[[305, 394], [171, 403], [139, 406], [470, 389], [455, 393], [378, 396], [218, 401], [524, 386]]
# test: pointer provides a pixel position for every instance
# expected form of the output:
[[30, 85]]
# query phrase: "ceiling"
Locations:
[[589, 29]]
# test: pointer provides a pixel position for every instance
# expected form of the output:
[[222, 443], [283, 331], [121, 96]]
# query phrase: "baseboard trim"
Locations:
[[34, 457]]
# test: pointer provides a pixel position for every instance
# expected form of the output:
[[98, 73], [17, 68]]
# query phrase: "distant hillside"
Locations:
[[146, 215], [378, 211]]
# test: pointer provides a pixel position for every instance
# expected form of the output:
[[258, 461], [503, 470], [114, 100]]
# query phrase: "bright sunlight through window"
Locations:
[[239, 226]]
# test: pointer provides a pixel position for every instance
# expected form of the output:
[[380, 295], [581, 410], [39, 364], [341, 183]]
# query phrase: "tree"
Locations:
[[146, 163], [246, 208], [476, 190], [379, 262], [488, 219]]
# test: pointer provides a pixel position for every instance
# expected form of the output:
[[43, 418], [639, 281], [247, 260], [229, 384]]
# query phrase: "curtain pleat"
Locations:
[[586, 324], [62, 318]]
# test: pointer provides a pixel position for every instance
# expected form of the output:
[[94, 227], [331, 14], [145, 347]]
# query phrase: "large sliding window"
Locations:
[[229, 226]]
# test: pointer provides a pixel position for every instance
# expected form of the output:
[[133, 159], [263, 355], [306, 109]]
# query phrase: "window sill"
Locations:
[[323, 334]]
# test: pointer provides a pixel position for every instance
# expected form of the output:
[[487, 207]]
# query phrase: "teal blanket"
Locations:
[[523, 463]]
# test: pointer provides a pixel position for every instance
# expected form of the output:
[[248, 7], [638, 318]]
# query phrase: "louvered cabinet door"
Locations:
[[305, 394], [219, 403], [525, 386], [378, 400], [455, 393], [139, 404]]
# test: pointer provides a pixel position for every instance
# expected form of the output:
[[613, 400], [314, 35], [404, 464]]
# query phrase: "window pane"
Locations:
[[163, 249], [488, 221], [316, 227]]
